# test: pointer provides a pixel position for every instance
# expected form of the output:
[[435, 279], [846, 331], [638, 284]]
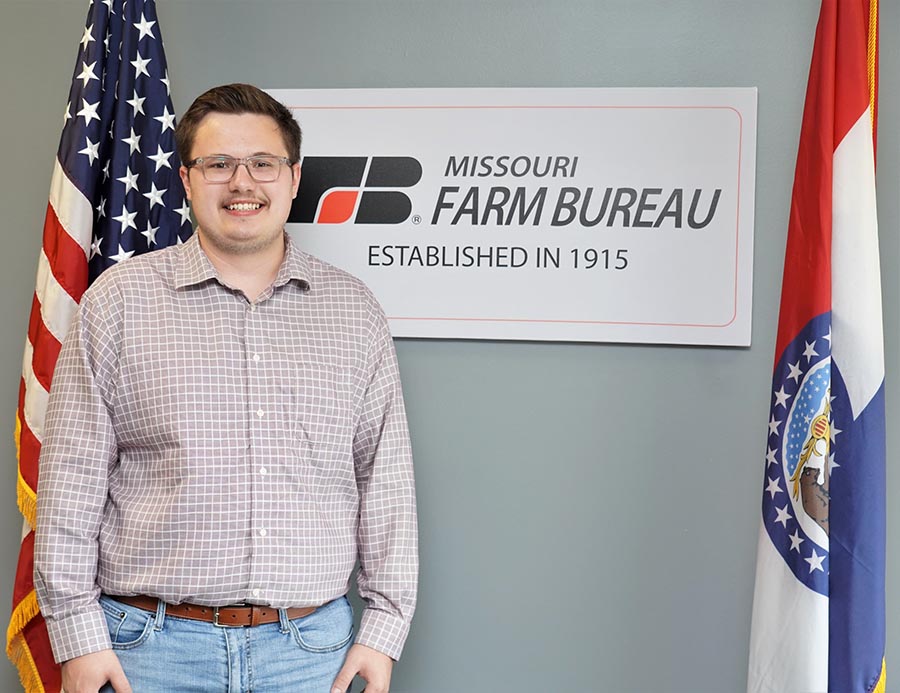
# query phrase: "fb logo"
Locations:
[[333, 189]]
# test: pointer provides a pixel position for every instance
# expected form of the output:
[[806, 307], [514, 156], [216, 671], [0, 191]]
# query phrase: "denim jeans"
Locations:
[[166, 654]]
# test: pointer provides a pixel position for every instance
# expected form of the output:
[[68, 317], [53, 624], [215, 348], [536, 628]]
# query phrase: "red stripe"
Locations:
[[45, 347], [24, 570], [38, 641], [66, 257], [829, 112], [29, 446]]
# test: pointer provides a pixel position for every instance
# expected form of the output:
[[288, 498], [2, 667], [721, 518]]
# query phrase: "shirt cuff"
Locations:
[[383, 631], [78, 634]]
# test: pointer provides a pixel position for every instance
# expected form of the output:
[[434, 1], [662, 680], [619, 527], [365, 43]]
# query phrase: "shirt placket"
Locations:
[[263, 422]]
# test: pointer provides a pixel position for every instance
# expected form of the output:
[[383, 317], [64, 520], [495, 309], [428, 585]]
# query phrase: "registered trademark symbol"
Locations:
[[416, 219]]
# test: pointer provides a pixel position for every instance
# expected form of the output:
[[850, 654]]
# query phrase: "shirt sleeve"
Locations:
[[387, 535], [78, 447]]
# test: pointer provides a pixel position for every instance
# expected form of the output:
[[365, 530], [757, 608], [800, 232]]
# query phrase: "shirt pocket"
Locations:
[[320, 413]]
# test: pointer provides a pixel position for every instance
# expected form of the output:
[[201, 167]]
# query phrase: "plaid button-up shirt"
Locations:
[[202, 448]]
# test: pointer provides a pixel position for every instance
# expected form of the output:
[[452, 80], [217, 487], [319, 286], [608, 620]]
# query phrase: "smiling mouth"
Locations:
[[243, 206]]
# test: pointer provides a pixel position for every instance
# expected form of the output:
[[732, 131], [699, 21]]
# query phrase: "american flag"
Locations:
[[114, 193]]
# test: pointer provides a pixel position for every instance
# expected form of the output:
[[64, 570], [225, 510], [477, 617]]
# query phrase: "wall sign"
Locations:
[[603, 215]]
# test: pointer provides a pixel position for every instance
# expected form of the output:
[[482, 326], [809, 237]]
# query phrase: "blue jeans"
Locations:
[[166, 654]]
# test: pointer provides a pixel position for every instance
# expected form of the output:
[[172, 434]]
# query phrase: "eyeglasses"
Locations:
[[262, 168]]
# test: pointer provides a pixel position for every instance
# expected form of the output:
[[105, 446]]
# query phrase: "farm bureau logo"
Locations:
[[333, 189]]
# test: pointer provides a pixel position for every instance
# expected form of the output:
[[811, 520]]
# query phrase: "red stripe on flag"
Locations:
[[45, 347], [67, 259], [24, 570], [38, 640]]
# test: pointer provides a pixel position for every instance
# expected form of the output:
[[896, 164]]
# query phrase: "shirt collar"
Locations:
[[193, 266]]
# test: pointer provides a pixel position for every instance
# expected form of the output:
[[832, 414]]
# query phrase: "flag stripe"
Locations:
[[64, 258], [45, 346], [71, 208]]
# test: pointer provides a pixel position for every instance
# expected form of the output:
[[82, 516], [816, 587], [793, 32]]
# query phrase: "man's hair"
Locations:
[[236, 99]]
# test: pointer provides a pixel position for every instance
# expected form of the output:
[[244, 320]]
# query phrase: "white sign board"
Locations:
[[621, 215]]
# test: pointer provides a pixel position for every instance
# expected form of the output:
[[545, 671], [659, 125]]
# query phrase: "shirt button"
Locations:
[[260, 413], [263, 532], [256, 357], [252, 307], [263, 471], [256, 592]]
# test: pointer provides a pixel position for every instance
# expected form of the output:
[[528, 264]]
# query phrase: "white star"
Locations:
[[815, 561], [134, 142], [87, 38], [109, 3], [68, 114], [137, 103], [87, 73], [774, 486], [101, 208], [144, 27], [95, 247], [796, 540], [140, 66], [781, 397], [88, 111], [155, 196], [834, 432], [150, 234], [795, 371], [121, 255], [770, 457], [161, 158], [831, 463], [167, 119], [809, 352], [185, 212], [773, 425], [783, 516], [106, 171], [130, 180], [126, 219], [106, 42], [91, 150], [165, 80], [828, 336]]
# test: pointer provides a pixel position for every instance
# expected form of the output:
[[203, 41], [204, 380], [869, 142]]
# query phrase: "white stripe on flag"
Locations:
[[73, 210], [789, 634], [57, 307], [857, 339], [35, 395]]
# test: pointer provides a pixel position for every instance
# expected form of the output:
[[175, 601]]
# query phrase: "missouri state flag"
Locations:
[[819, 610]]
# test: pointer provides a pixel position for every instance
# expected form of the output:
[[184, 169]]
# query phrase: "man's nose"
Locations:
[[241, 180]]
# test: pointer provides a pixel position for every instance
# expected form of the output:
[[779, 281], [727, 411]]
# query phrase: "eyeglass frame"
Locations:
[[242, 161]]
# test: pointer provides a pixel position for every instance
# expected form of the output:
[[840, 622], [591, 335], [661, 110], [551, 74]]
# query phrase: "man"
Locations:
[[225, 437]]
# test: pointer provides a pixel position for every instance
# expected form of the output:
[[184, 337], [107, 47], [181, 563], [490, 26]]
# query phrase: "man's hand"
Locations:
[[88, 673], [372, 665]]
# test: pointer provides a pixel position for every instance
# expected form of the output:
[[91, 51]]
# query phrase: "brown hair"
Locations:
[[236, 99]]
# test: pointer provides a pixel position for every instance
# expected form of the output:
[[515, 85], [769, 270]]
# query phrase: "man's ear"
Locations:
[[184, 172], [295, 176]]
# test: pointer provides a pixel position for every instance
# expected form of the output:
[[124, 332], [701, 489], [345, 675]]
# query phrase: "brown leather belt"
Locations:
[[233, 616]]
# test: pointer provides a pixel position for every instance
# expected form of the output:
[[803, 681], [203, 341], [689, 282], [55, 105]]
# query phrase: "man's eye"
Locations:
[[220, 164], [262, 163]]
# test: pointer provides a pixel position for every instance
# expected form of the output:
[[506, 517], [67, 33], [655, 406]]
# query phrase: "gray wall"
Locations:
[[588, 512]]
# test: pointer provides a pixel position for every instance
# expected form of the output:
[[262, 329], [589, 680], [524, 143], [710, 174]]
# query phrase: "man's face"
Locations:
[[242, 216]]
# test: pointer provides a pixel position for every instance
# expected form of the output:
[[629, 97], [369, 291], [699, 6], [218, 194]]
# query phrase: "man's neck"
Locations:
[[251, 273]]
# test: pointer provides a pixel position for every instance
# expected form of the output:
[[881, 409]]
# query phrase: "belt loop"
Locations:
[[283, 620], [160, 619]]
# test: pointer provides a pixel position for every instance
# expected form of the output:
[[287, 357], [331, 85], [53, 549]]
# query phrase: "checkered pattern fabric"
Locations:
[[203, 448]]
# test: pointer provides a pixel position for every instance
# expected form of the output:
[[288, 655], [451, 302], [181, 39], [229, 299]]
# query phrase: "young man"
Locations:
[[225, 437]]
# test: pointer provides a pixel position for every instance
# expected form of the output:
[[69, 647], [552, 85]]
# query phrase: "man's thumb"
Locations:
[[343, 680]]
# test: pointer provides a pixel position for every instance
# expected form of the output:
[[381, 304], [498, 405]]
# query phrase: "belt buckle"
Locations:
[[224, 625]]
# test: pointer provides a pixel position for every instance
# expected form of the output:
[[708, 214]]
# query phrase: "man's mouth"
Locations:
[[243, 206]]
